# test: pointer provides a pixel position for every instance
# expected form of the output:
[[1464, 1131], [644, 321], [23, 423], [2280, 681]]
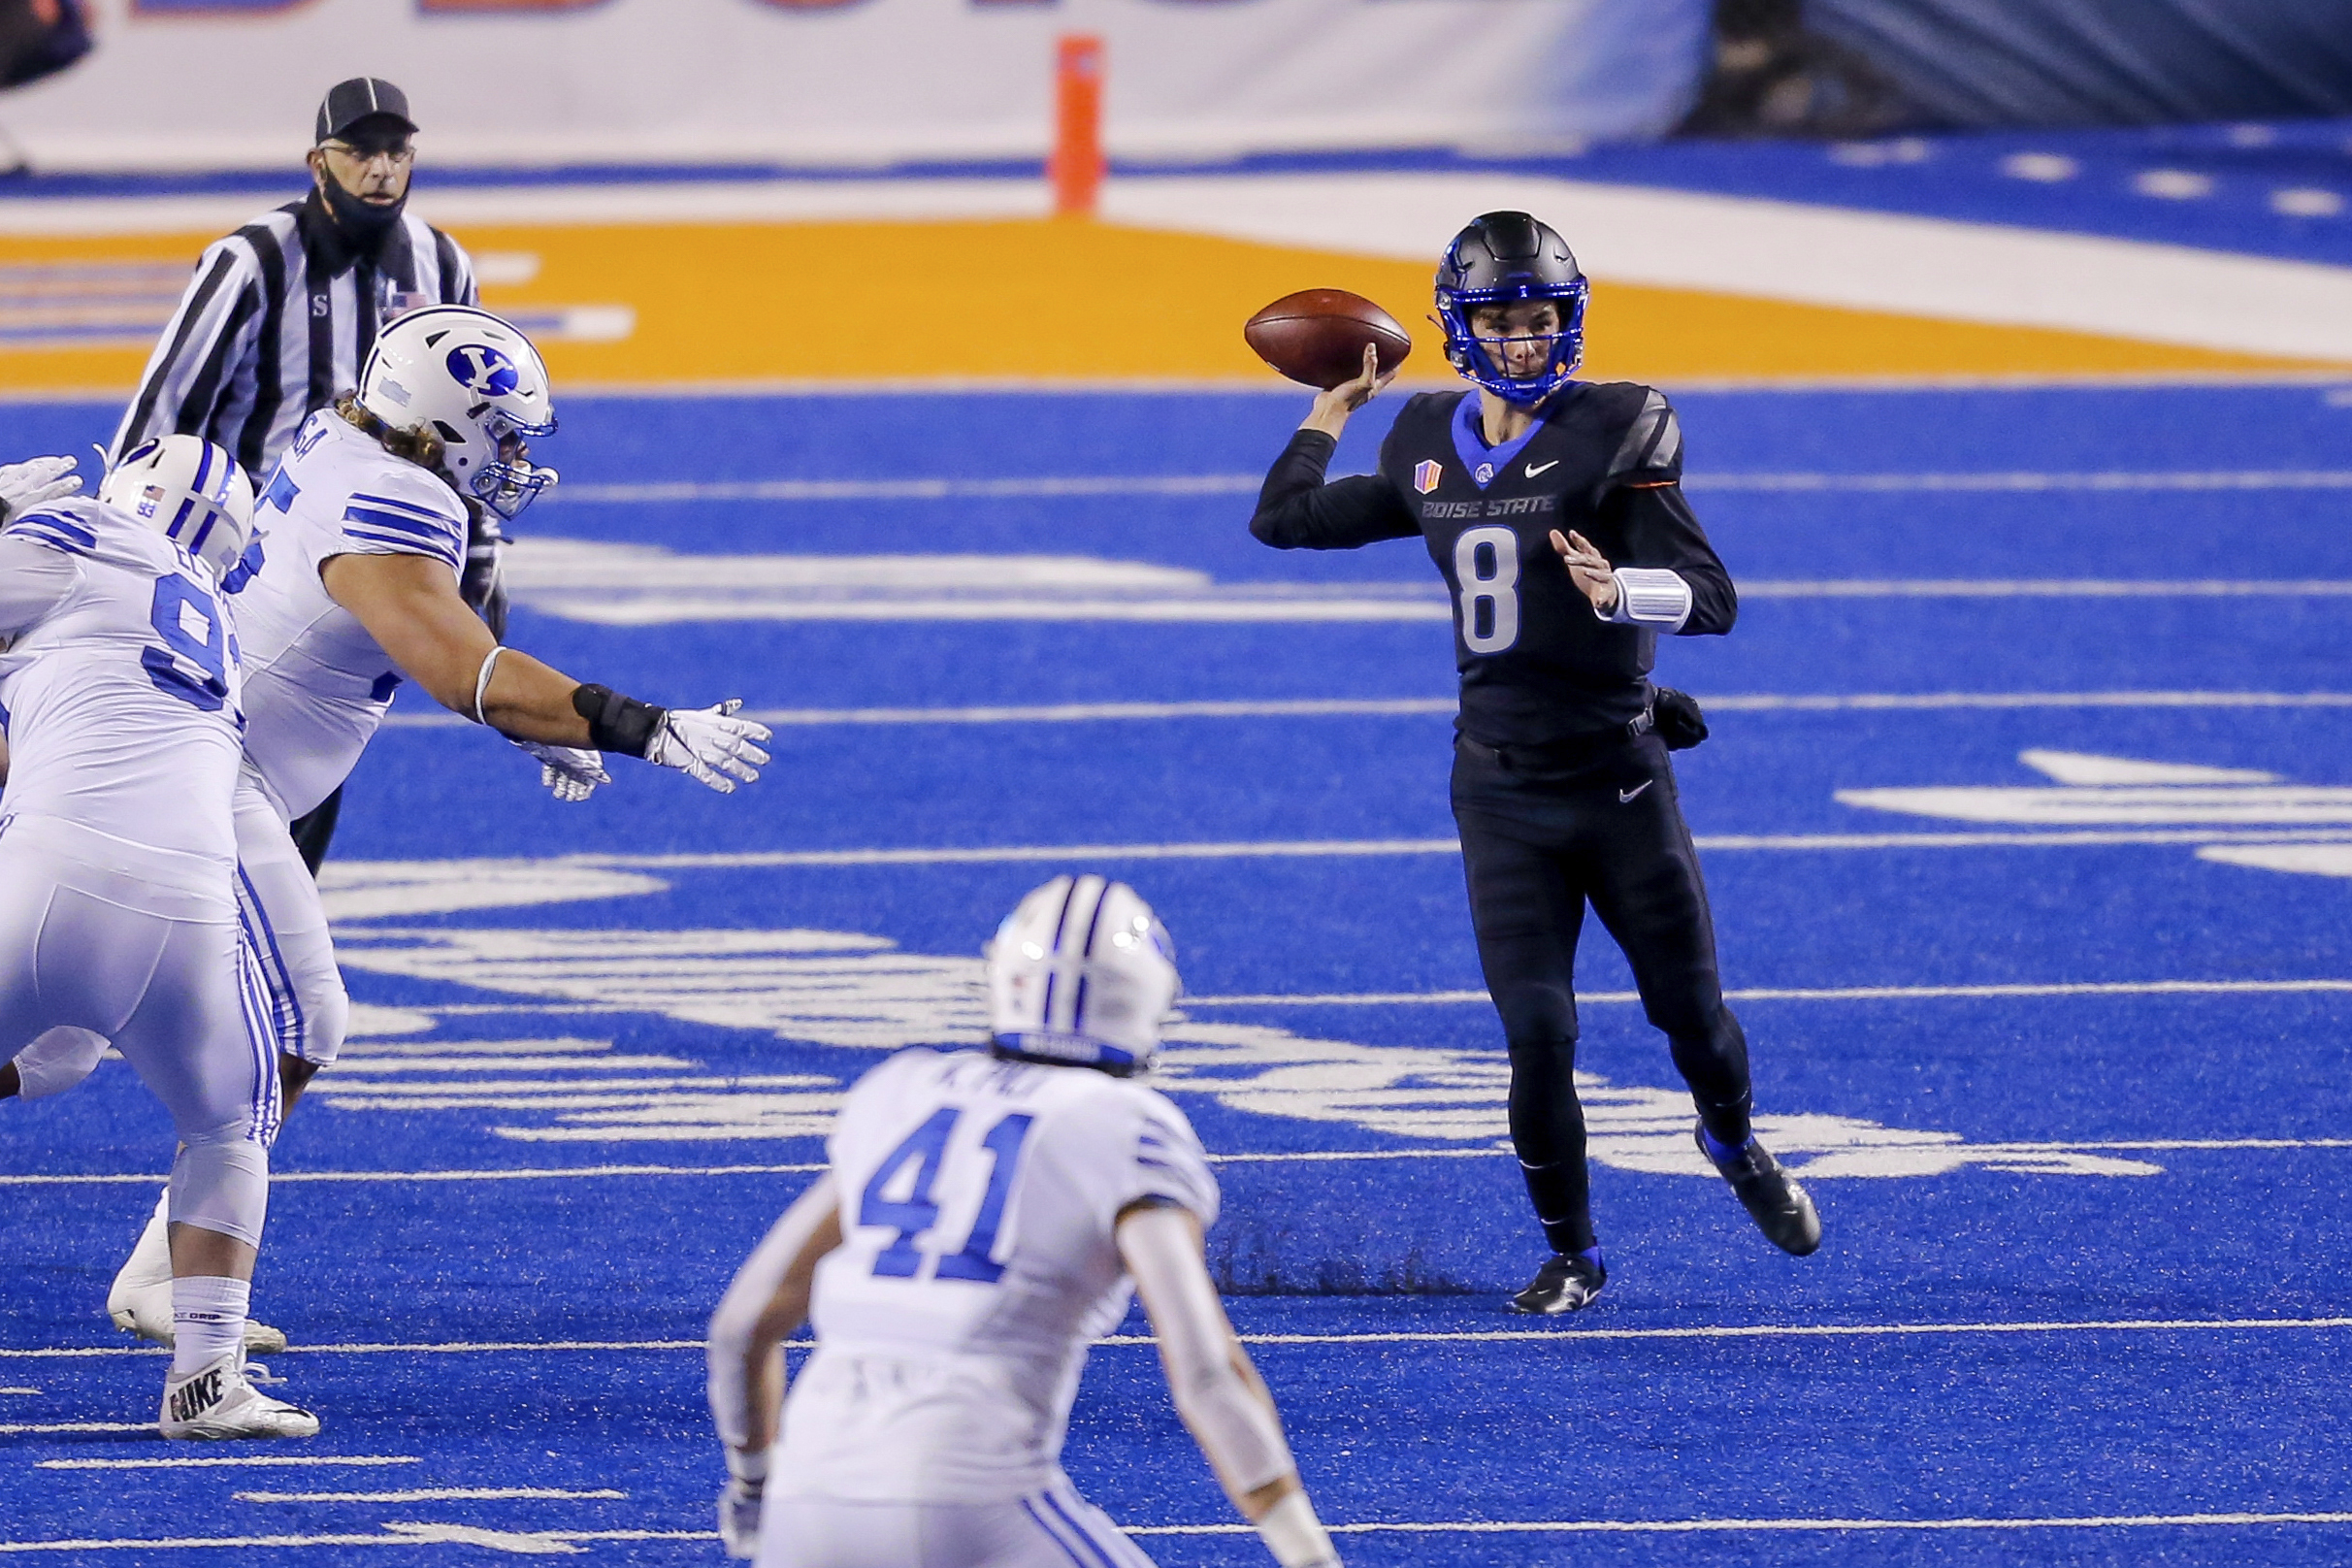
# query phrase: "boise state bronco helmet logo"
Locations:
[[479, 367], [1425, 475]]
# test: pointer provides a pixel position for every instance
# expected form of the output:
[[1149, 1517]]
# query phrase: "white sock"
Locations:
[[208, 1319]]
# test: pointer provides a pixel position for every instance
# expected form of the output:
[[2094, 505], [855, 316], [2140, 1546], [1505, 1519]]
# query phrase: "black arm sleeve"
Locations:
[[1297, 511], [1660, 530]]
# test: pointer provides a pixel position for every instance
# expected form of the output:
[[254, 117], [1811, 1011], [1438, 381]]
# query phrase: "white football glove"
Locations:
[[740, 1519], [709, 745], [36, 482], [570, 772]]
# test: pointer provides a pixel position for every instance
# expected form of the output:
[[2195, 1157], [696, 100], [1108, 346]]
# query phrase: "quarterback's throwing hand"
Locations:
[[709, 745], [1589, 570], [36, 482], [570, 772]]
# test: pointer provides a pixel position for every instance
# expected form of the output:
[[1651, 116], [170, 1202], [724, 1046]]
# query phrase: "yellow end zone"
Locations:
[[1021, 299]]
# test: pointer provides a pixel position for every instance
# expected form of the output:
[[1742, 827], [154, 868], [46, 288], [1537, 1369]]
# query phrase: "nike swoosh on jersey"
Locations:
[[1626, 795], [1534, 468]]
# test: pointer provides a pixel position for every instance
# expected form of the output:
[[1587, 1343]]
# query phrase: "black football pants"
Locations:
[[1542, 836]]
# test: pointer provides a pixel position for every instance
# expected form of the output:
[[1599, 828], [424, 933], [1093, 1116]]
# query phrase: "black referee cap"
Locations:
[[347, 103]]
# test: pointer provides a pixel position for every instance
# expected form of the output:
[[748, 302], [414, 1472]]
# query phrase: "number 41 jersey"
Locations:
[[979, 1200]]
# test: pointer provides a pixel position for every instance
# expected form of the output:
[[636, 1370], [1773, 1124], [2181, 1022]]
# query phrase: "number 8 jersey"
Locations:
[[979, 1200], [119, 690]]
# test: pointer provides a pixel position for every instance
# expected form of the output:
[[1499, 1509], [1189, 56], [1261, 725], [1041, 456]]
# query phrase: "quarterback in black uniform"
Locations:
[[1554, 511]]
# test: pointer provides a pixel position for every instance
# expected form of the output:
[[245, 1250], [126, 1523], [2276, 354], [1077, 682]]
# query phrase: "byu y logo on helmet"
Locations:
[[479, 367], [478, 384]]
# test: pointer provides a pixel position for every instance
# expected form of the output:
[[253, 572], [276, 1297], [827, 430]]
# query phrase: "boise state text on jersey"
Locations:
[[1604, 459]]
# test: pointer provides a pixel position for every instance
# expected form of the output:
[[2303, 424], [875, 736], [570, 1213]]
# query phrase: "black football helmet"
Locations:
[[1502, 259]]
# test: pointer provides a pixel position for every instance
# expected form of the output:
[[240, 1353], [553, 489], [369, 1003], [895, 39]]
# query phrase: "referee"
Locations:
[[280, 316], [1525, 491]]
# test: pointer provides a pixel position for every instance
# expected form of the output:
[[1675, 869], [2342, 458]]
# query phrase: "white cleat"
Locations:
[[140, 1301], [217, 1404]]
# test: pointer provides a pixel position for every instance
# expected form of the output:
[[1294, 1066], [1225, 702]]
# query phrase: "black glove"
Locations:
[[483, 584], [1679, 723]]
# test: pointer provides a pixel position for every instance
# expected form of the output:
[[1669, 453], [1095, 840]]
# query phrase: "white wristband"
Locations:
[[482, 682], [1296, 1536], [1650, 597], [749, 1469]]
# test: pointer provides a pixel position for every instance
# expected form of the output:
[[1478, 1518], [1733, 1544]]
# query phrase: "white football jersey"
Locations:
[[977, 1264], [120, 695], [316, 683]]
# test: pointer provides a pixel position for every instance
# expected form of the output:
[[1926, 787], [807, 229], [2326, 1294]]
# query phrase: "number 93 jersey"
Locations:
[[317, 682], [979, 1200], [119, 690]]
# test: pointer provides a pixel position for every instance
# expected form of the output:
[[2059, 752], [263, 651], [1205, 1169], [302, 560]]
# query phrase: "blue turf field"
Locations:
[[2068, 1063]]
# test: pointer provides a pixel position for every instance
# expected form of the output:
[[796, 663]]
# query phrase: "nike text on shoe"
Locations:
[[216, 1403], [1780, 1207], [1566, 1283], [146, 1310]]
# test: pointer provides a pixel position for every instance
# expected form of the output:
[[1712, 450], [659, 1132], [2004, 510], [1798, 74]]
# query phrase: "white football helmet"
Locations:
[[1081, 973], [191, 491], [481, 387]]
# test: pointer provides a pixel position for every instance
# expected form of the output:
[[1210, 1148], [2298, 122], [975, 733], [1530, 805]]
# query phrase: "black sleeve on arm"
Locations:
[[1297, 511], [1661, 531]]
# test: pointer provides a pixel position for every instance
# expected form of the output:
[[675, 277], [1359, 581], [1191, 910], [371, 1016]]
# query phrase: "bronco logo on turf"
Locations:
[[1426, 476]]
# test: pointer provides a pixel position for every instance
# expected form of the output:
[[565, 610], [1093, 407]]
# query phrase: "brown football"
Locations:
[[1317, 336]]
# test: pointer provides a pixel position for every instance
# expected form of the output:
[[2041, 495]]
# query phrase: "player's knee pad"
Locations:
[[222, 1183]]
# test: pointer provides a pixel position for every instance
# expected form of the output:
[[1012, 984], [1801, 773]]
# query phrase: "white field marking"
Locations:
[[2095, 987], [1813, 256], [1419, 706], [207, 1464], [16, 1429], [550, 1173], [427, 1494], [843, 988], [751, 200], [1432, 1336], [2105, 1522], [534, 1543], [20, 1391], [2019, 1150], [350, 1064], [1350, 848], [1035, 485], [1044, 487], [2158, 480], [2048, 588]]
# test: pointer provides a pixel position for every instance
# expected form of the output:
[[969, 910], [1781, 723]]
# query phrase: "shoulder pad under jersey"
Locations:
[[1650, 451]]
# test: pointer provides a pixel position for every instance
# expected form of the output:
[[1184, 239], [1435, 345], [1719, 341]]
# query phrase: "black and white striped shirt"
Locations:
[[278, 321]]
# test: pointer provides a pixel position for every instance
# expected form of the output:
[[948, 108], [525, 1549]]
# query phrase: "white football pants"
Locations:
[[1054, 1528], [159, 970], [277, 900]]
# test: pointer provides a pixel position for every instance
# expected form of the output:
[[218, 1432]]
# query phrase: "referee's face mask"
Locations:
[[363, 178]]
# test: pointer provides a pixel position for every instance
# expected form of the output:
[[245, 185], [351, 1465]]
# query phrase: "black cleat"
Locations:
[[1566, 1283], [1780, 1207]]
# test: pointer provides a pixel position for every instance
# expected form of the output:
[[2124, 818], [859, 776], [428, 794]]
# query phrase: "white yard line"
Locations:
[[1347, 848], [1311, 708], [429, 1494], [2094, 1521], [1082, 486], [240, 1461], [2115, 987]]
